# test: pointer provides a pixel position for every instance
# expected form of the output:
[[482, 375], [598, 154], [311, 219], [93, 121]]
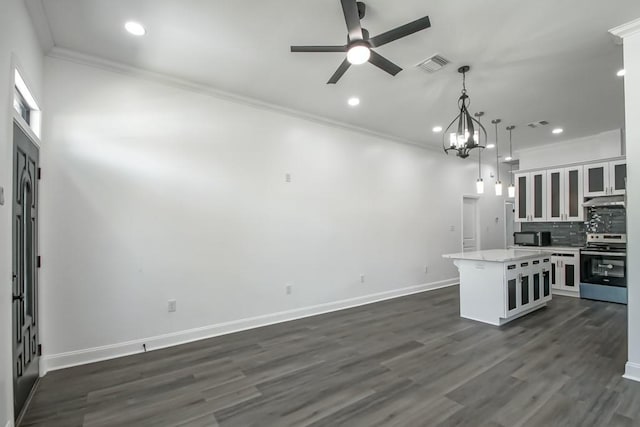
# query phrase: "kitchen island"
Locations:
[[500, 285]]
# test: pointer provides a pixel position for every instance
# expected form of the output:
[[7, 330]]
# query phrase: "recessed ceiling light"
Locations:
[[437, 129], [135, 28], [354, 101], [491, 145], [508, 159], [620, 73], [557, 131]]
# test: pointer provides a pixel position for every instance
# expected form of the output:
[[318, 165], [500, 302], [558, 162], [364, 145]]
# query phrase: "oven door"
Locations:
[[603, 268]]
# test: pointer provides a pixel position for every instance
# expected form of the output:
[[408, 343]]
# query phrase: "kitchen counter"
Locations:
[[547, 248], [500, 285], [500, 255]]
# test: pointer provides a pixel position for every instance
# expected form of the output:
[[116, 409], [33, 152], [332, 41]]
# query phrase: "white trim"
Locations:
[[96, 354], [632, 371], [116, 67], [626, 30]]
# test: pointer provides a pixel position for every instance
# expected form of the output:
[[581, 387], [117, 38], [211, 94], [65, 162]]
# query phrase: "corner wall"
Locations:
[[631, 34], [153, 192], [18, 41]]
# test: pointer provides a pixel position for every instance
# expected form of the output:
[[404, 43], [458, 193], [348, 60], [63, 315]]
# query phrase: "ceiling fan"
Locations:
[[359, 47]]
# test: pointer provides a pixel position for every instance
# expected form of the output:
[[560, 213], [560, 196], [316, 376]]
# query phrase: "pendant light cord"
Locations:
[[495, 122]]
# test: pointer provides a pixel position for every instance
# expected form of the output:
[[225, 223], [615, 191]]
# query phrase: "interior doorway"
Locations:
[[509, 223], [470, 224], [26, 342]]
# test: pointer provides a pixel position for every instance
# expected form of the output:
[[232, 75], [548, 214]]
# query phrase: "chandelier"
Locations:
[[469, 133]]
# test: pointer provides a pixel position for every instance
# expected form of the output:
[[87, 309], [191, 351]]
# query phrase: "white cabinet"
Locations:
[[531, 196], [565, 272], [528, 285], [605, 179], [565, 194]]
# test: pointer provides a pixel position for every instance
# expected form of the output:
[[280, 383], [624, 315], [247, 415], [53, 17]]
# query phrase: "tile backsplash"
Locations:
[[562, 233], [607, 220]]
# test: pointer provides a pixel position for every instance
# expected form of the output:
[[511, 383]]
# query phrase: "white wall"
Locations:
[[18, 41], [152, 192], [595, 147], [632, 112]]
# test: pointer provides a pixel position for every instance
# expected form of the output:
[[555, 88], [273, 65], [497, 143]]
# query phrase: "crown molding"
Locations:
[[184, 84], [40, 21], [625, 30]]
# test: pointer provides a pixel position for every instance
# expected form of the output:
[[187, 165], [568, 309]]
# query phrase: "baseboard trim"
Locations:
[[81, 357], [632, 371]]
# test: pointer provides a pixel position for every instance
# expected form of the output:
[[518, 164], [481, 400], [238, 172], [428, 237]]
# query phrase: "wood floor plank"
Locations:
[[410, 361]]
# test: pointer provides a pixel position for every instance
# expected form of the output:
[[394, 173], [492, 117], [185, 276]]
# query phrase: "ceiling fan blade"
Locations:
[[318, 48], [350, 10], [384, 64], [399, 32], [339, 72]]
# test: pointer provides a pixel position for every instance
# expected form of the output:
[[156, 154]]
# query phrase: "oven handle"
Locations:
[[620, 254]]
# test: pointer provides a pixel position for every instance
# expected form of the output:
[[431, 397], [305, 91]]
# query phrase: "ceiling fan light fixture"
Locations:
[[358, 53]]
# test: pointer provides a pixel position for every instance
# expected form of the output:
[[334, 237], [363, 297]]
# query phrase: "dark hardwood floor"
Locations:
[[408, 362]]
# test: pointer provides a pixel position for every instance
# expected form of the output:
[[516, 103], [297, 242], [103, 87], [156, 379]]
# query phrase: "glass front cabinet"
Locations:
[[531, 196], [565, 194], [605, 179]]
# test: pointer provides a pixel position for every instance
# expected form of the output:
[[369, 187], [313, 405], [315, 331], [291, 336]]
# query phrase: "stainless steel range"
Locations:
[[603, 271]]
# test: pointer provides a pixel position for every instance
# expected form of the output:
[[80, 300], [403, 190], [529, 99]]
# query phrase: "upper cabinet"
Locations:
[[531, 196], [557, 195], [565, 194], [605, 179]]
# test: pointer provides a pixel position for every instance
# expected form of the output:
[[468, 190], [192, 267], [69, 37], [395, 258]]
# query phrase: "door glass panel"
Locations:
[[569, 275], [536, 286], [555, 194], [620, 175], [596, 179], [511, 285], [525, 290], [546, 286], [537, 194], [522, 197], [573, 193]]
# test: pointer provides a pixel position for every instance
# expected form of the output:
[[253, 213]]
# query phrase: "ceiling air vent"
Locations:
[[536, 124], [433, 64]]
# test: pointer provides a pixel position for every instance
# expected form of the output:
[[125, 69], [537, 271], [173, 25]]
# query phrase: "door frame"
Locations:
[[478, 233], [16, 118], [510, 205]]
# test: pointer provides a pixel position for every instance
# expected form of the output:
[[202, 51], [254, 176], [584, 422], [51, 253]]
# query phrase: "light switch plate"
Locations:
[[1, 196]]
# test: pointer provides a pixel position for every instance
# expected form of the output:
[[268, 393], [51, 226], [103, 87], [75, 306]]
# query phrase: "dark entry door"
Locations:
[[25, 257]]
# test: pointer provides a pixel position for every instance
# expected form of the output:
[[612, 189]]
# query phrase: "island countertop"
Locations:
[[498, 255]]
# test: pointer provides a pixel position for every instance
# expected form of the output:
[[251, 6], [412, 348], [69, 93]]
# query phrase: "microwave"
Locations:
[[532, 238]]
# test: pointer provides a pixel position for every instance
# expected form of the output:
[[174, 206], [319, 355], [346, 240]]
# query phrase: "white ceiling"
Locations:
[[531, 60]]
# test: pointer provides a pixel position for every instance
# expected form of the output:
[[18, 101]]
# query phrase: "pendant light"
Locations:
[[511, 191], [479, 182], [498, 183], [470, 133]]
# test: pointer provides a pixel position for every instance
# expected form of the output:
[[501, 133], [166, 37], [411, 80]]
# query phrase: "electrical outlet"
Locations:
[[452, 228], [1, 196], [287, 177], [289, 289], [362, 278], [171, 305]]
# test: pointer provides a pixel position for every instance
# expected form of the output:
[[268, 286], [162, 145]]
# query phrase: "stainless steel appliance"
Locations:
[[532, 238], [603, 271]]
